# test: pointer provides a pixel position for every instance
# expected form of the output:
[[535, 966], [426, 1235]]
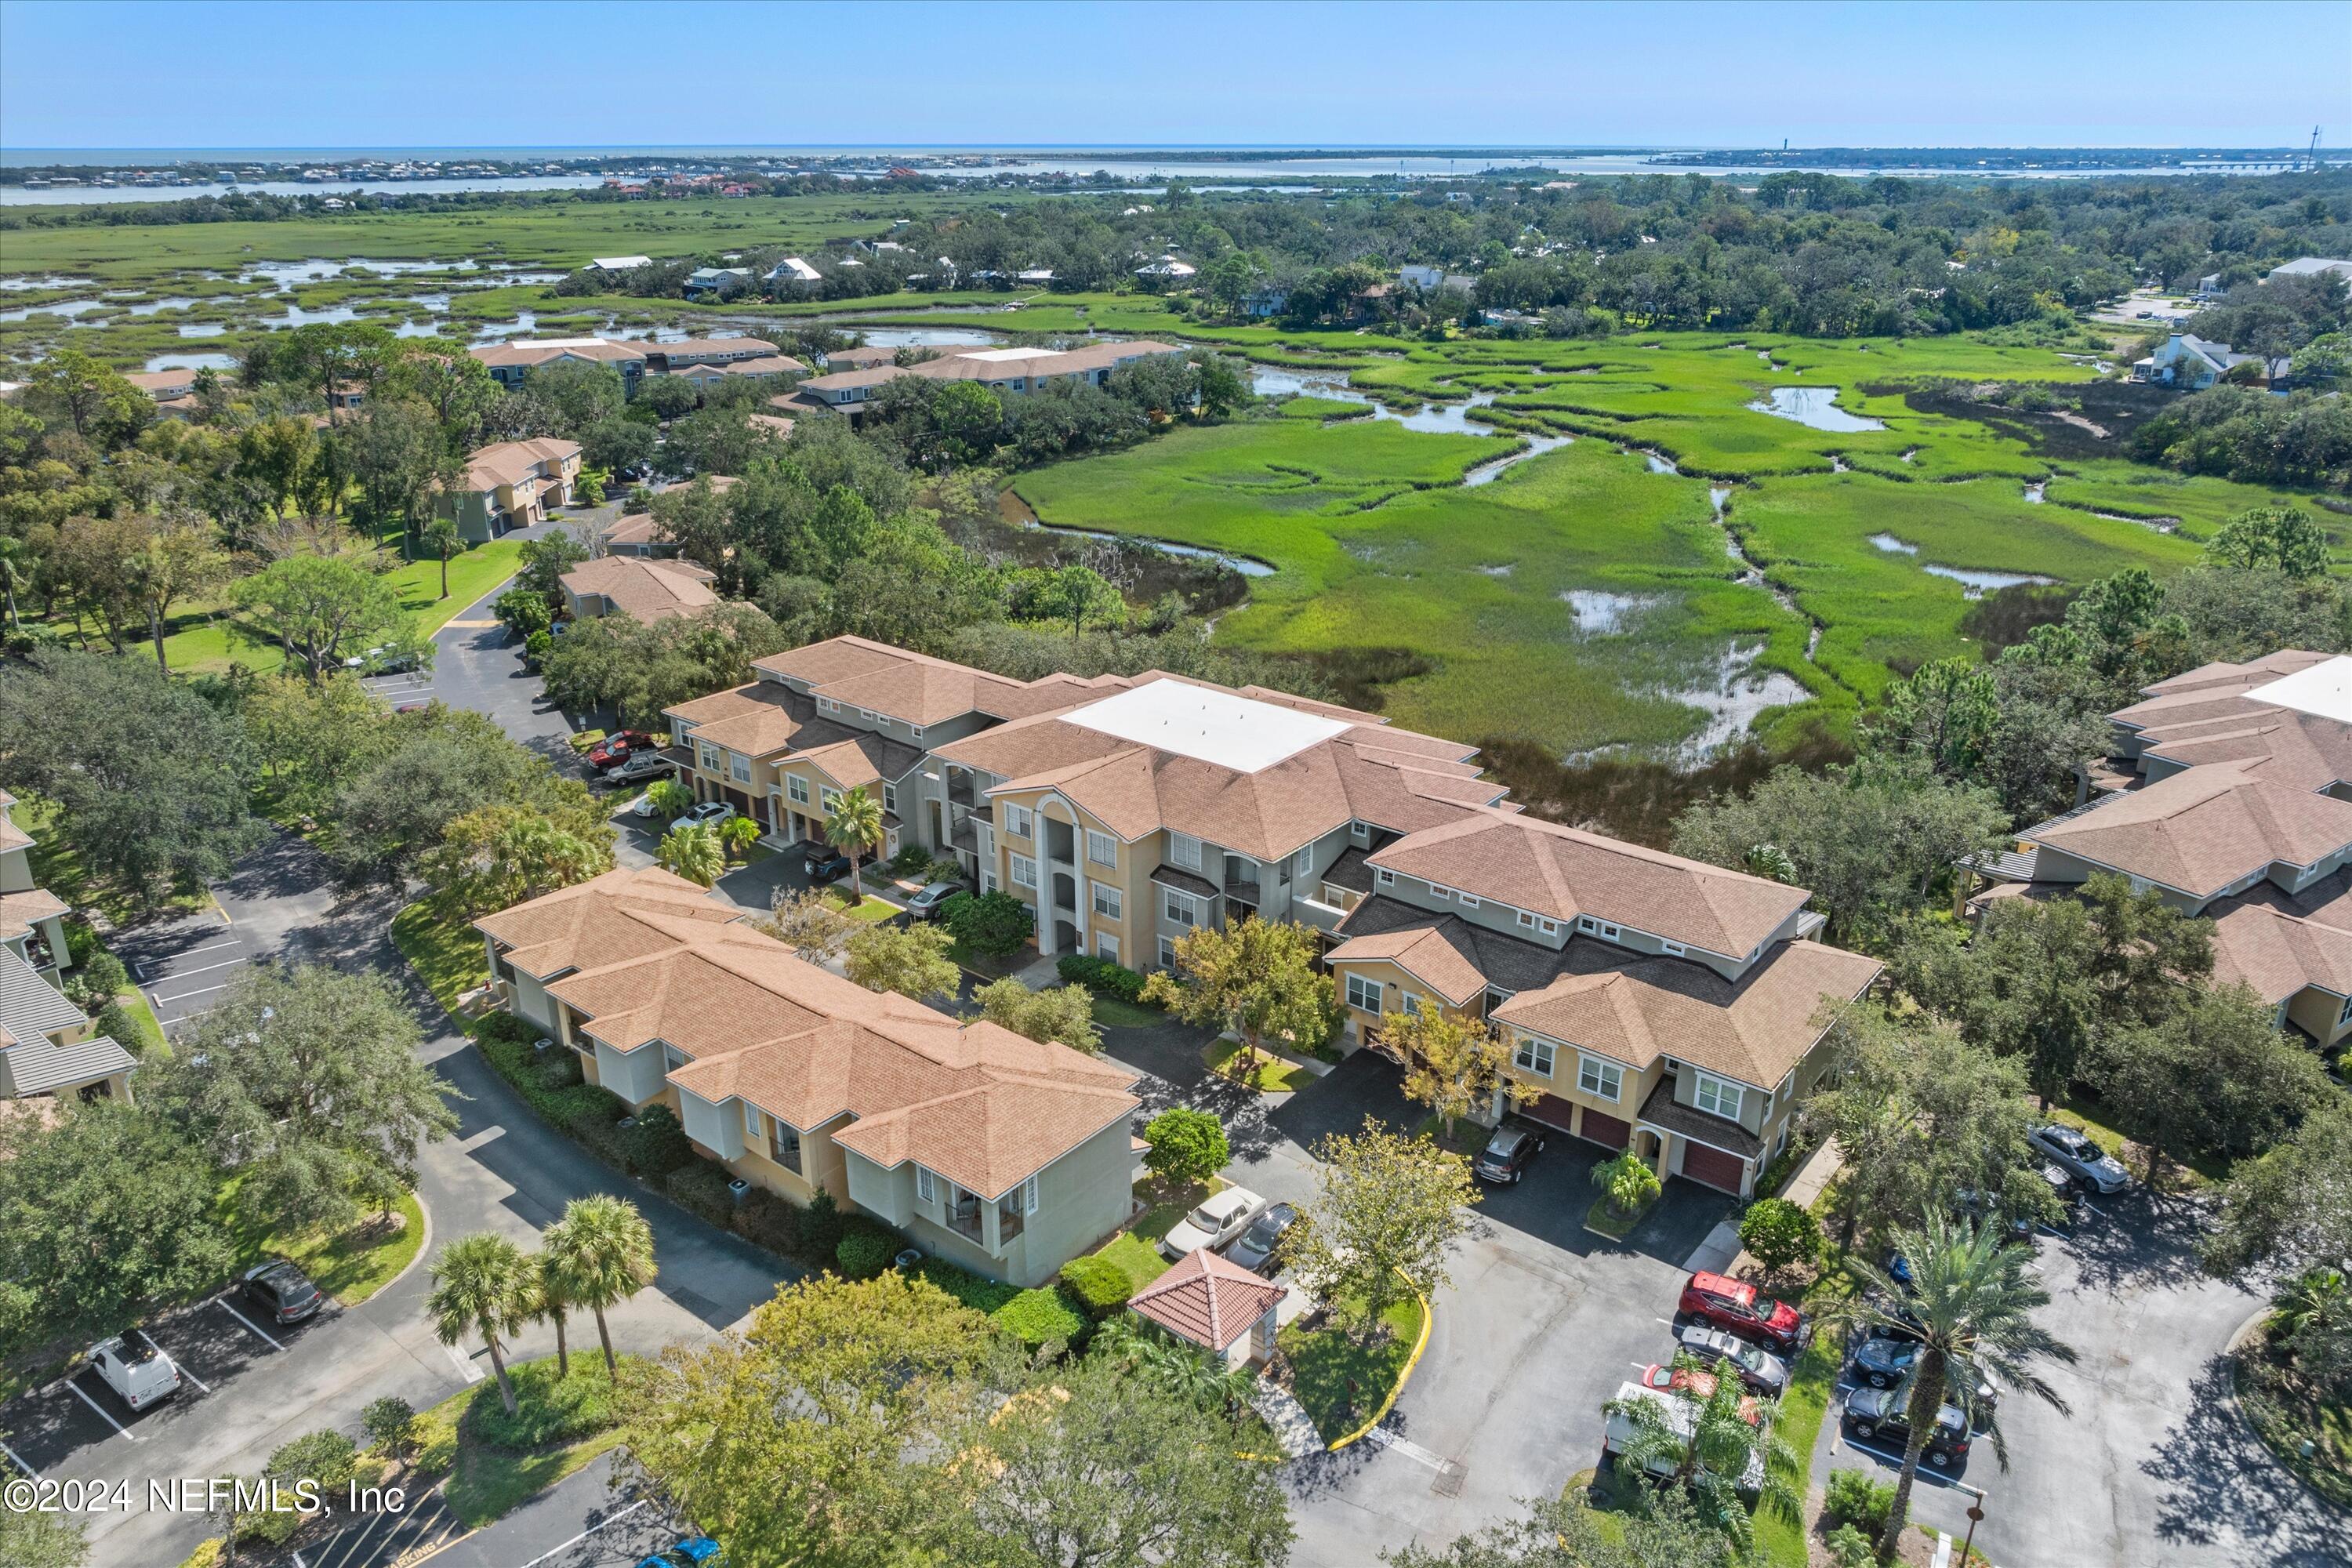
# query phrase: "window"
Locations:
[[1527, 919], [1440, 892], [796, 789], [1179, 908], [1016, 821], [1109, 901], [1361, 832], [925, 1189], [672, 1059], [988, 882], [827, 705], [750, 1120], [1469, 901], [1596, 927], [1411, 1001], [1550, 927], [1013, 1210], [867, 714], [709, 758], [1363, 995], [1384, 876], [828, 798], [1677, 949], [1303, 863], [1167, 953], [1534, 1056], [1715, 1096], [2346, 1016], [916, 730], [890, 798], [784, 1145], [1105, 946], [1496, 999], [1025, 872], [1184, 850], [739, 767], [1102, 849], [1601, 1080]]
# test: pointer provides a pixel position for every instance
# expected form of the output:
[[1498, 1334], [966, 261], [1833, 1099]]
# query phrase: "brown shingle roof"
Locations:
[[644, 589], [1207, 1299], [600, 922], [511, 462], [546, 350], [19, 910], [2202, 829], [2279, 943]]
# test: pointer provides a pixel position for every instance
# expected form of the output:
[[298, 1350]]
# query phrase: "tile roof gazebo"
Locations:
[[1217, 1305]]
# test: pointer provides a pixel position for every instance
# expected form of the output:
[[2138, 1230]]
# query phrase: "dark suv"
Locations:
[[282, 1292], [822, 862], [1881, 1414], [1507, 1154]]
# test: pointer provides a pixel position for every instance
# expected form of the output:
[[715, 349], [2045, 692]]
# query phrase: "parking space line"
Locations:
[[20, 1461], [584, 1534], [222, 1302], [466, 1368], [206, 991], [207, 969], [146, 964], [94, 1405], [184, 1372]]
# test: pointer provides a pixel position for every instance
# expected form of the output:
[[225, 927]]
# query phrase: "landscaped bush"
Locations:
[[326, 1458], [1101, 977], [767, 1220], [910, 859], [547, 1410], [561, 1070], [1853, 1498], [1187, 1146], [656, 1144], [1778, 1232], [966, 1287], [821, 1228], [993, 924], [391, 1426], [1042, 1317], [509, 1028], [1099, 1285], [700, 1187], [863, 1254]]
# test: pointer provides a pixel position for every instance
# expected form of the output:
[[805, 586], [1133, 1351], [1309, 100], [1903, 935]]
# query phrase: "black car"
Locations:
[[282, 1292], [1508, 1152], [1880, 1414], [822, 862], [1256, 1248]]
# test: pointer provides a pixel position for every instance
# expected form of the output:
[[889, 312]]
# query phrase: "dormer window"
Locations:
[[1361, 832]]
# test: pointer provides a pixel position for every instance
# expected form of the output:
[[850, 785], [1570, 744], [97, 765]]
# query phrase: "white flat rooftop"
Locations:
[[2325, 688], [1006, 356], [1208, 725]]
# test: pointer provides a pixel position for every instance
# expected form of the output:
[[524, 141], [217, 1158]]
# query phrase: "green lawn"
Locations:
[[1467, 1140], [2092, 1117], [351, 1265], [1603, 1217], [1167, 1208], [1341, 1383], [446, 952], [57, 866], [1812, 1382], [1269, 1075], [870, 910], [486, 1482], [1117, 1013], [1138, 1258]]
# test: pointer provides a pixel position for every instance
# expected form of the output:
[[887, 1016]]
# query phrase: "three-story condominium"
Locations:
[[1656, 1004]]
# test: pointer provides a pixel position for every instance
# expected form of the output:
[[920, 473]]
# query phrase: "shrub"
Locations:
[[992, 924], [821, 1228], [863, 1254], [547, 1409], [656, 1144], [700, 1187], [561, 1070], [80, 943], [1627, 1181], [1855, 1499], [913, 857], [115, 1022], [1778, 1232], [767, 1220], [1040, 1318], [965, 1287], [509, 1027], [1099, 1285], [392, 1427], [273, 1527], [603, 1139], [1851, 1548], [326, 1458], [1187, 1146], [100, 977], [1101, 977]]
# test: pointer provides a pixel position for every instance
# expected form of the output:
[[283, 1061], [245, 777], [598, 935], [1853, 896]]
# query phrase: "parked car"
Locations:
[[1683, 1418], [1507, 1154], [644, 806], [638, 766], [927, 903], [1898, 1269], [1761, 1370], [281, 1290], [1256, 1248], [1690, 1383], [2073, 1151], [618, 747], [822, 862], [1736, 1305], [691, 1552], [1884, 1359], [1879, 1412], [710, 813], [136, 1369], [1220, 1218]]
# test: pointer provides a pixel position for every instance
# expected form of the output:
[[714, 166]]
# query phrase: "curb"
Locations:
[[1428, 1321], [2238, 1412]]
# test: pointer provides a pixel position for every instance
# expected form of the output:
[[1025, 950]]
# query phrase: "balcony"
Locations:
[[959, 791], [963, 1219], [1314, 913], [1240, 893]]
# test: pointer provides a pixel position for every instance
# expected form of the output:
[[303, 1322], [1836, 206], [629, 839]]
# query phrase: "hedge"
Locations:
[[1101, 977], [980, 1295], [863, 1254], [656, 1143], [1042, 1317], [700, 1187], [1099, 1285]]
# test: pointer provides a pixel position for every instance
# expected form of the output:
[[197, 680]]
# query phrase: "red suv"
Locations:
[[617, 748], [1733, 1304]]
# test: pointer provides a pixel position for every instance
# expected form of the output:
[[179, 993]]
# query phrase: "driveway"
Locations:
[[2151, 1466]]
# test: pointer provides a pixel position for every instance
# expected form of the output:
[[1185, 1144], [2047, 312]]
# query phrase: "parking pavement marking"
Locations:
[[606, 1524], [184, 1372], [146, 964], [1388, 1440], [465, 1368], [222, 1302], [207, 969], [20, 1461], [159, 999], [94, 1405]]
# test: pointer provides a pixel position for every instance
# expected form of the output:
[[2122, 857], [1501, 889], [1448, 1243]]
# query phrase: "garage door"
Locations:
[[1607, 1129], [1713, 1166], [1551, 1110]]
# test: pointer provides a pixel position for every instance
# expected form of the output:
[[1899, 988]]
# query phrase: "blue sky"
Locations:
[[198, 73]]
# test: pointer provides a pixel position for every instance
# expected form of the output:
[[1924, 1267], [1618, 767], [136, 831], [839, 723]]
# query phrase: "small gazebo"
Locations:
[[1217, 1305]]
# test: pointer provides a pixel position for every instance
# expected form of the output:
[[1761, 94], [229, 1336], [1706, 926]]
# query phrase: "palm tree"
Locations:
[[854, 826], [692, 850], [442, 535], [555, 1295], [1971, 1304], [15, 571], [1713, 1457], [2314, 1299], [482, 1284], [606, 1256]]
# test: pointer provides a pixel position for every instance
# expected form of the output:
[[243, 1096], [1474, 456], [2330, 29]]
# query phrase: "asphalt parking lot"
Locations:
[[182, 966]]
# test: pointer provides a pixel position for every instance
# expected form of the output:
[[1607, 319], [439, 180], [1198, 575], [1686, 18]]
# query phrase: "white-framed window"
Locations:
[[925, 1189], [1105, 946], [1025, 872], [752, 1120], [1412, 1000], [1181, 909], [1534, 1056], [1718, 1096], [796, 789], [1184, 850], [1102, 849], [672, 1058], [739, 767], [1677, 949], [2346, 1016], [830, 799], [827, 705], [867, 714], [1384, 876], [1029, 1195], [1363, 995], [1527, 919], [1596, 927], [1361, 832], [916, 730], [1549, 927], [1167, 952], [708, 756], [1439, 891], [1016, 820], [1469, 901], [784, 1145], [988, 882], [1109, 901], [890, 797], [1601, 1080], [1303, 863]]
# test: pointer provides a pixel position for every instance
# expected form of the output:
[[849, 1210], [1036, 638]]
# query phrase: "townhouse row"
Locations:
[[49, 1048]]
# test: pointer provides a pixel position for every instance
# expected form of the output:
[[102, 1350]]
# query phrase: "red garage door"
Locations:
[[1607, 1129], [1713, 1166], [1552, 1111]]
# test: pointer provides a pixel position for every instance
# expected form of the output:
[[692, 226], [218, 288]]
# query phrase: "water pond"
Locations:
[[1815, 407]]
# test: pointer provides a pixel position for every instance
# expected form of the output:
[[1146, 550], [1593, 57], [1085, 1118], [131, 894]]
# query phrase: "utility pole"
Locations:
[[2314, 155]]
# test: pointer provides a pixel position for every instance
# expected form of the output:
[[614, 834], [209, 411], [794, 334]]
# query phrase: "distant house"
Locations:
[[612, 265], [1429, 280], [634, 535], [717, 283], [511, 484], [793, 273], [2191, 363], [2310, 266], [175, 391], [510, 363], [1167, 268], [48, 1047], [1038, 275], [1260, 303], [643, 589], [716, 358], [2209, 287], [31, 917], [1006, 370]]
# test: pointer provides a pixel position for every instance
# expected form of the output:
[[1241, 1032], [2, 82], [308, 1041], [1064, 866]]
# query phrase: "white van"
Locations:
[[1681, 1417], [139, 1372]]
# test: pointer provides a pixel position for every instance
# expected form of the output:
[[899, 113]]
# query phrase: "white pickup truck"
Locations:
[[139, 1372]]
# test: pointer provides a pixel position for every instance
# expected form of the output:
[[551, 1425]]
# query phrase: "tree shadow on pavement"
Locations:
[[2134, 1242], [2216, 1472]]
